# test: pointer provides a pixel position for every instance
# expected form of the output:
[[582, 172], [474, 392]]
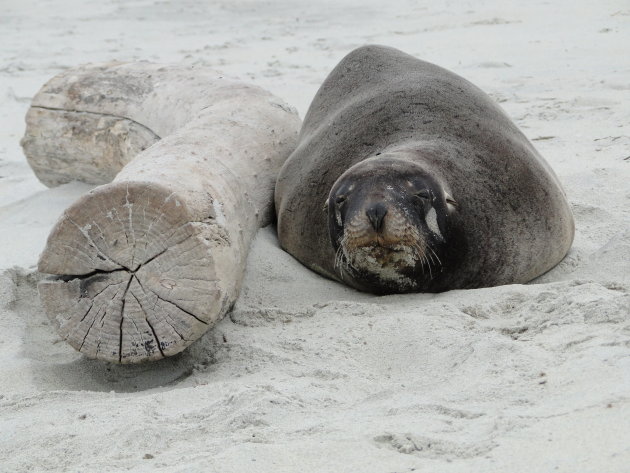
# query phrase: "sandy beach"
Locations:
[[307, 375]]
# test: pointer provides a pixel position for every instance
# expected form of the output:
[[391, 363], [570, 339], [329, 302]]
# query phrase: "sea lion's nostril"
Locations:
[[375, 215]]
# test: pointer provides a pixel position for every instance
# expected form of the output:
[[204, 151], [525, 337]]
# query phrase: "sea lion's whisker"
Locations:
[[338, 258], [433, 251], [430, 257], [429, 266], [345, 258]]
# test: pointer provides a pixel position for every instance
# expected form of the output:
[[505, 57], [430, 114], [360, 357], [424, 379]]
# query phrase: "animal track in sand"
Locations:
[[428, 447]]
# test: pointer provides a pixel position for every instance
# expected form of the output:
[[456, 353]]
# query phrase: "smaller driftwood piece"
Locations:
[[143, 266]]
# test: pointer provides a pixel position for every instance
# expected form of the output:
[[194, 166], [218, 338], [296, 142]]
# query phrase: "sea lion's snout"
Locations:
[[375, 214], [380, 222]]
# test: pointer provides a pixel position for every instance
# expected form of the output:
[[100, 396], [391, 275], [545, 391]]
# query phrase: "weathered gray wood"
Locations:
[[143, 266], [62, 146]]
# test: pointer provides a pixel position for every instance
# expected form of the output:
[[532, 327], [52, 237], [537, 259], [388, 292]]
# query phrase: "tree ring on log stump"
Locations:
[[133, 274]]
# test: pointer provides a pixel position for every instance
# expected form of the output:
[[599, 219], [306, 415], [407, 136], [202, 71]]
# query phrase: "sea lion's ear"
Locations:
[[451, 203]]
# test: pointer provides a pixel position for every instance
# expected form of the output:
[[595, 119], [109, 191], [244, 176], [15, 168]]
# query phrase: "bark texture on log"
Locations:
[[144, 265]]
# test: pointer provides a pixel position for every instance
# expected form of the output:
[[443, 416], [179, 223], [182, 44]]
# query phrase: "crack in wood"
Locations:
[[83, 295], [159, 217], [122, 225], [166, 317], [94, 245], [134, 322], [172, 303], [70, 277], [159, 254], [157, 340], [129, 206], [92, 304], [173, 244], [93, 322], [122, 319], [89, 309], [55, 109], [137, 200], [184, 252], [75, 249], [180, 308], [146, 319]]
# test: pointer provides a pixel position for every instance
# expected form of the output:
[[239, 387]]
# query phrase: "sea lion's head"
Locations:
[[388, 223]]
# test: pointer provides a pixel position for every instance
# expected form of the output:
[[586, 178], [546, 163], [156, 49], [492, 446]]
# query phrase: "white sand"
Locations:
[[307, 375]]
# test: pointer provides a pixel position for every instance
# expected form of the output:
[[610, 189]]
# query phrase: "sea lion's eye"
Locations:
[[340, 199], [423, 194]]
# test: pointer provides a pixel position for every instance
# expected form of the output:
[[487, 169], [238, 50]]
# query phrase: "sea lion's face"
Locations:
[[388, 224]]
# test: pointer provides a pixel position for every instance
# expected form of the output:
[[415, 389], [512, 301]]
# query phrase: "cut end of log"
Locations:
[[65, 145], [133, 274]]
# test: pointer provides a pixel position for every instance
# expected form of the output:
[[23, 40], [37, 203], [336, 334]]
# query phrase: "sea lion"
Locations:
[[426, 183]]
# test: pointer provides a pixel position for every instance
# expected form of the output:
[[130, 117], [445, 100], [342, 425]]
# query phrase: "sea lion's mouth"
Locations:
[[376, 256], [388, 264], [379, 242], [378, 248]]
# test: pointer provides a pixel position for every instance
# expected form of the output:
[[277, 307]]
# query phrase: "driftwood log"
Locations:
[[143, 266]]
